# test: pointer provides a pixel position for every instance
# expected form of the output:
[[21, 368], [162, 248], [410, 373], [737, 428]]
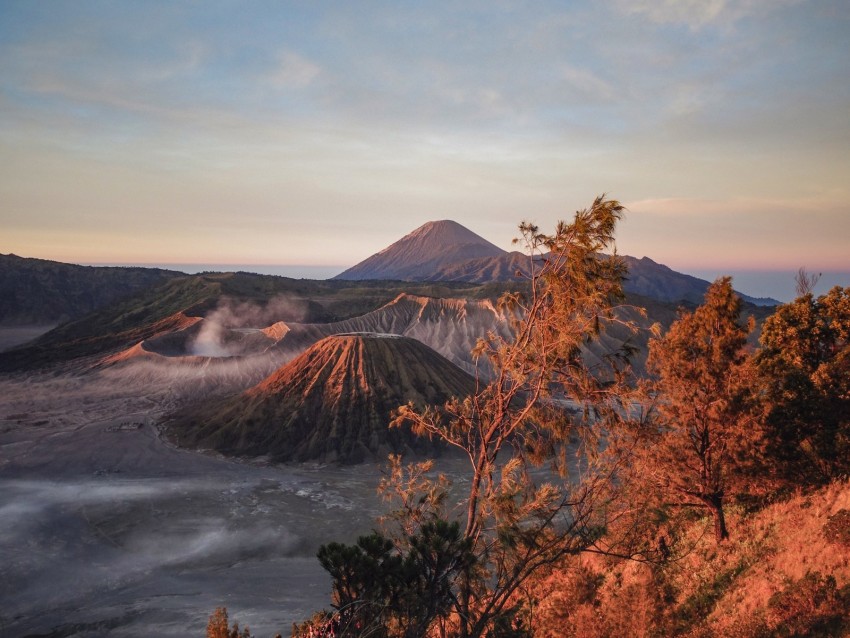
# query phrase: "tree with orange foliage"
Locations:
[[704, 404], [540, 474], [218, 626], [804, 366]]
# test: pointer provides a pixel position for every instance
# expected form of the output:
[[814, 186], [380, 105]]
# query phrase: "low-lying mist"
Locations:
[[105, 529], [147, 552]]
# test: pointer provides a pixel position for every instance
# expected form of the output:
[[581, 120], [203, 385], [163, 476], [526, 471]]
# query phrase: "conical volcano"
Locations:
[[331, 403], [422, 253]]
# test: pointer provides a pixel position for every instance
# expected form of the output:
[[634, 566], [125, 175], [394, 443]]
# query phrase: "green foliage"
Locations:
[[382, 588], [804, 366]]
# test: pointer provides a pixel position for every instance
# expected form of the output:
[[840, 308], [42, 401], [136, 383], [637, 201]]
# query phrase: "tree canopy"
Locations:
[[704, 403], [538, 440], [804, 364]]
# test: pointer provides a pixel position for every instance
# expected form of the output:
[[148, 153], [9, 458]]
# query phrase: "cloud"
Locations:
[[700, 13], [290, 134], [587, 83], [294, 71]]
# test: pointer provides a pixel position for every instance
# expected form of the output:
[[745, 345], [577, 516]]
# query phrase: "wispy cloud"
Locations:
[[700, 13], [212, 120], [743, 232], [294, 71], [684, 206]]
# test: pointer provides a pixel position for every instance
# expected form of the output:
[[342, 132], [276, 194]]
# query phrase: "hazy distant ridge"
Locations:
[[446, 251]]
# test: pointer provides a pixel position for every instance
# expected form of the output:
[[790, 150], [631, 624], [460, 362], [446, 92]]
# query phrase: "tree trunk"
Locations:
[[714, 502]]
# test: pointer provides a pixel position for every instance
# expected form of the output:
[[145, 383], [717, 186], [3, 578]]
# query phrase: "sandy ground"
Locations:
[[105, 530]]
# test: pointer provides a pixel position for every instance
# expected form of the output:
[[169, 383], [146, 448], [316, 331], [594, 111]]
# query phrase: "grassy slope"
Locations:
[[772, 578], [152, 310], [116, 326]]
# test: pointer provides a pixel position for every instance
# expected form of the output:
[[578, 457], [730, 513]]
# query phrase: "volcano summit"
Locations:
[[331, 403], [420, 254]]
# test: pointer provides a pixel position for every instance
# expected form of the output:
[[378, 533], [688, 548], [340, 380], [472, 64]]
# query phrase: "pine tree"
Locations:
[[704, 404], [804, 366], [520, 518], [218, 626]]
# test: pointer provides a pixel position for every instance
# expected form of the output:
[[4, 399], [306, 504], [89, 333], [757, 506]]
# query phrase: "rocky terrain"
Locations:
[[131, 535], [331, 403]]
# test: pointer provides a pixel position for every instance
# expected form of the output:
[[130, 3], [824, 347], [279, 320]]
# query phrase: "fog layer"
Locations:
[[106, 530]]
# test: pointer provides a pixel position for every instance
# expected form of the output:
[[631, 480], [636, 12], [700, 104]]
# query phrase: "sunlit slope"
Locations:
[[172, 306], [331, 403], [784, 571], [156, 311], [449, 326], [421, 253]]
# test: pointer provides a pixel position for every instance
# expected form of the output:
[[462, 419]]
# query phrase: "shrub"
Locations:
[[811, 606], [837, 528]]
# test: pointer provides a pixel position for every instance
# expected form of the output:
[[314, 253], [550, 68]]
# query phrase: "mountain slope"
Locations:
[[419, 254], [38, 291], [333, 402], [250, 300], [446, 251], [154, 311], [646, 277], [451, 327], [651, 279]]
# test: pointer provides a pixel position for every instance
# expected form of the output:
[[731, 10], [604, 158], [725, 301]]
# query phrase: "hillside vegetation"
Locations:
[[784, 572], [709, 498], [42, 292]]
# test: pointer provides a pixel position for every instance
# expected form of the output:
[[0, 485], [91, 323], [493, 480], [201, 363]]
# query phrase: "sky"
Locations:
[[317, 133]]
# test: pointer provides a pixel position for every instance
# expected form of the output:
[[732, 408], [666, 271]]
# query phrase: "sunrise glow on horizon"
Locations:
[[299, 134]]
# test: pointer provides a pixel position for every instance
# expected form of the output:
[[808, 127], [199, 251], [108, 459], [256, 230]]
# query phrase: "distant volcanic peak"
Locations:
[[421, 253], [448, 232]]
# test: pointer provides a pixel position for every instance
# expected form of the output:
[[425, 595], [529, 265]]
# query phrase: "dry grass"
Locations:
[[778, 575], [782, 545]]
